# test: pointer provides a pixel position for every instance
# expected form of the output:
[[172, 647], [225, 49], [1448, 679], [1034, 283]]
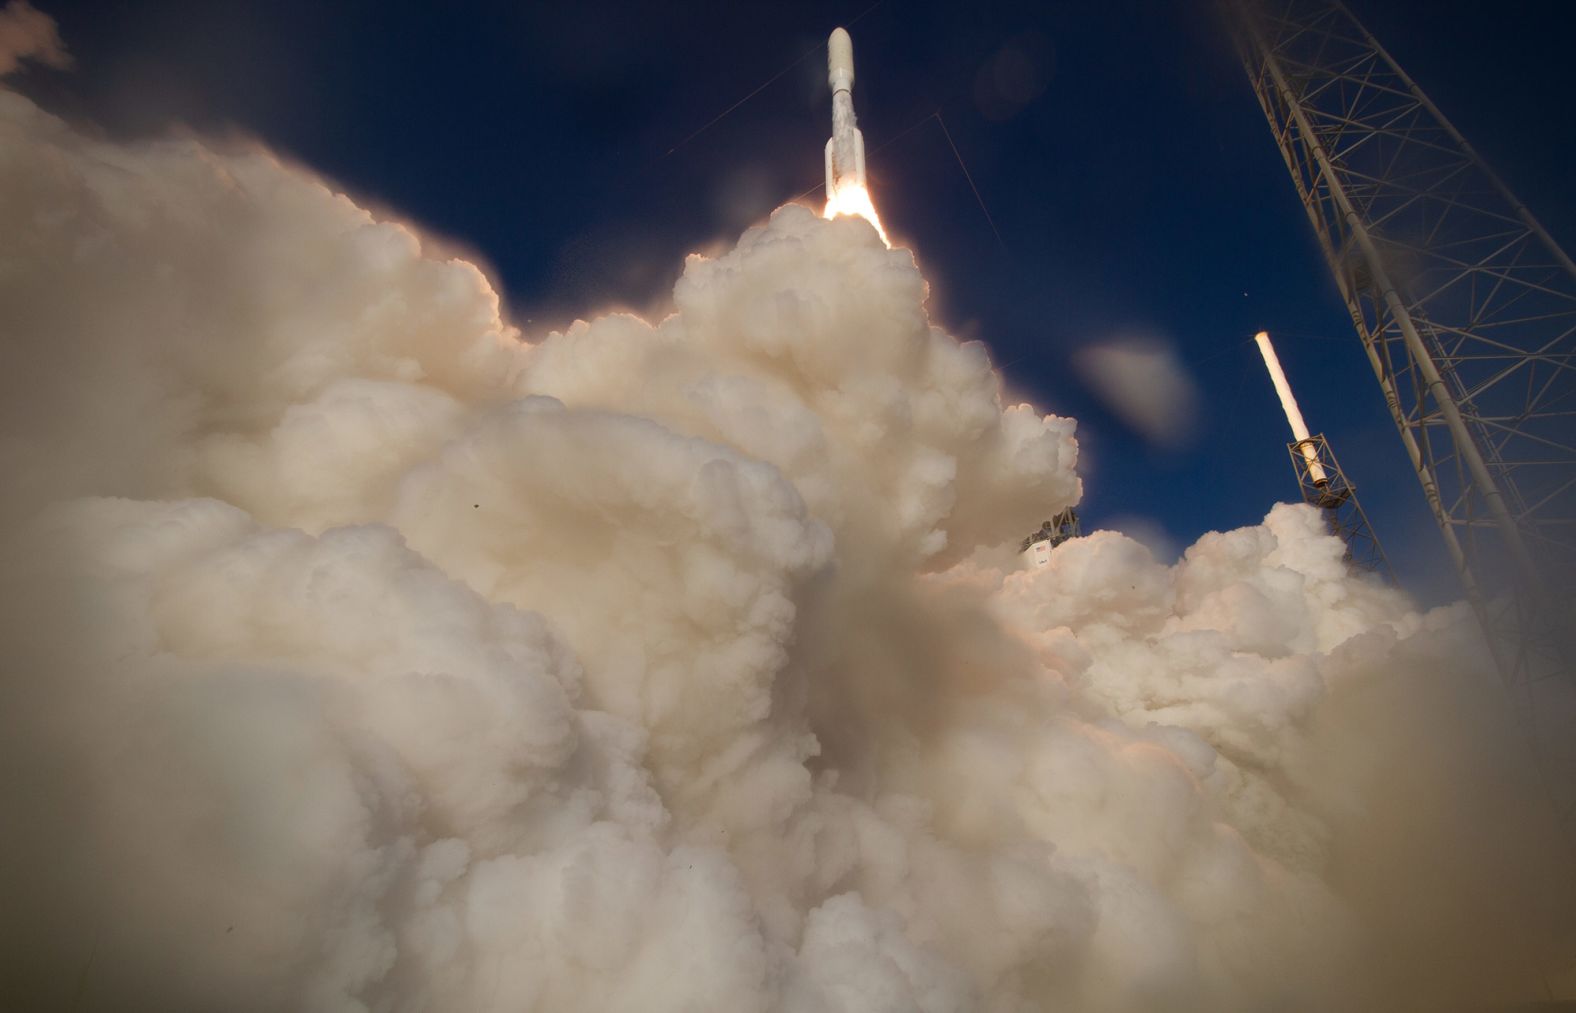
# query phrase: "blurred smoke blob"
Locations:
[[1143, 383]]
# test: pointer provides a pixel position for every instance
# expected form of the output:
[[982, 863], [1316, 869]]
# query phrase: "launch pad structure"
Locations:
[[1063, 527], [1466, 309]]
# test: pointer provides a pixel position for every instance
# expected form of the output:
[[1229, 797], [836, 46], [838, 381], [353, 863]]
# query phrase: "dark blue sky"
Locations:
[[1137, 191]]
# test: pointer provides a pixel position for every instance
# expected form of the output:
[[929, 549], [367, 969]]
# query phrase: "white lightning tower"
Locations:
[[1299, 428], [1319, 476]]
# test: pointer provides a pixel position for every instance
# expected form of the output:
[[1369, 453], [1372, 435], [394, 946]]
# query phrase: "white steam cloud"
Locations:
[[359, 655]]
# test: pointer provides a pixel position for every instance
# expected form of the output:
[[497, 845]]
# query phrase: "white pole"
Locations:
[[1299, 428]]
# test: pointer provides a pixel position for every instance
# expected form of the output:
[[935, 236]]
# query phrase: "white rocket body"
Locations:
[[845, 152]]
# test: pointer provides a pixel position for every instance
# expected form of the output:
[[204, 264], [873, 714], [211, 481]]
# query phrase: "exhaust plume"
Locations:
[[363, 655]]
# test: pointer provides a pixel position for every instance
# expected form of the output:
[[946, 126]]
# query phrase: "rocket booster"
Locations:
[[845, 152], [846, 192]]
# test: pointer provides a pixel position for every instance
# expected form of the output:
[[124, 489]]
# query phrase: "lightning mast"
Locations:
[[1323, 484], [1466, 308]]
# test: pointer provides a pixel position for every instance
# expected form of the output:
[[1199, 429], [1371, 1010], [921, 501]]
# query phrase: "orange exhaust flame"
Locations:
[[854, 199]]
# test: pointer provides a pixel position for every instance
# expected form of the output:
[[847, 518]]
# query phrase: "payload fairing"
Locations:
[[845, 152]]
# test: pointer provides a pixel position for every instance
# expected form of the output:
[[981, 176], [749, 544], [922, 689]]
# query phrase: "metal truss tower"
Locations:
[[1064, 526], [1466, 308], [1324, 486]]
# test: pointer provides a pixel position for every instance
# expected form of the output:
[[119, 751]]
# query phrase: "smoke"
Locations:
[[1144, 384], [362, 655], [27, 33]]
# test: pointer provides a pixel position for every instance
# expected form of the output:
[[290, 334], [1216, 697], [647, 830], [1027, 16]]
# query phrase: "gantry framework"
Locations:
[[1324, 485], [1063, 527], [1466, 308]]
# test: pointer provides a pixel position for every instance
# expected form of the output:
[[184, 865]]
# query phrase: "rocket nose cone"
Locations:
[[840, 59]]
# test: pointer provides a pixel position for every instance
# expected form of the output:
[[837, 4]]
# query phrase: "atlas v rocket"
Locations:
[[845, 152]]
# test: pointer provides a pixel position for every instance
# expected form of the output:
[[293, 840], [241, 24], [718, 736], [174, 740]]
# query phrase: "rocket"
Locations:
[[846, 192], [845, 152]]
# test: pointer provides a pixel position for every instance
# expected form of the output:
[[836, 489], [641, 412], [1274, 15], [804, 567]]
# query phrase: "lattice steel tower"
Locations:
[[1466, 308]]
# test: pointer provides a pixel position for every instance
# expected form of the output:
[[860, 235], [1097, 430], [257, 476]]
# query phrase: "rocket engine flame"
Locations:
[[854, 199]]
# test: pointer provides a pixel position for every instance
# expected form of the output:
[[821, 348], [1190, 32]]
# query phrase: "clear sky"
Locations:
[[1129, 171]]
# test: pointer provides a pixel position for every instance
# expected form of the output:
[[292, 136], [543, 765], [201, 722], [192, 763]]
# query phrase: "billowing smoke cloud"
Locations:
[[27, 33], [361, 655]]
